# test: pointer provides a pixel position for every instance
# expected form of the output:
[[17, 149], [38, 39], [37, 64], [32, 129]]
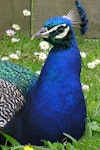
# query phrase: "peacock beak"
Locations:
[[43, 32]]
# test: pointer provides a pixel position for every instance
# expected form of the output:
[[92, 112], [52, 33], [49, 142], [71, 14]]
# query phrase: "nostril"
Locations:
[[44, 29]]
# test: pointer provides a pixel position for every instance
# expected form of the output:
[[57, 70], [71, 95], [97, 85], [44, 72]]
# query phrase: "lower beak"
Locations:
[[43, 32]]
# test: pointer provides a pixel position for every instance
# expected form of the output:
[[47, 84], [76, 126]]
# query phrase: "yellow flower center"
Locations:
[[27, 147]]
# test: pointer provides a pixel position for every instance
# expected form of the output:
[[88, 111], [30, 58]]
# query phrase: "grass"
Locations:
[[90, 77]]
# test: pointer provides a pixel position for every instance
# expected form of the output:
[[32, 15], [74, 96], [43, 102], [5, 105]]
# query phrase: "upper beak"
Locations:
[[43, 32]]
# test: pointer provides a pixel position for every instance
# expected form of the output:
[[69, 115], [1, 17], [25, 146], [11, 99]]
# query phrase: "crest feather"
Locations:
[[77, 15]]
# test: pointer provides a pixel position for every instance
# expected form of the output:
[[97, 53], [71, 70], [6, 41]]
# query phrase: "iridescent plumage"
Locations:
[[17, 75]]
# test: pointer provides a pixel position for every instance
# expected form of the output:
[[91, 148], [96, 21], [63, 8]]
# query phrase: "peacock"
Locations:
[[41, 107]]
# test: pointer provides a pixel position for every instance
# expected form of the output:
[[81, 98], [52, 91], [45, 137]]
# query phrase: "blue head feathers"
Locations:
[[57, 21]]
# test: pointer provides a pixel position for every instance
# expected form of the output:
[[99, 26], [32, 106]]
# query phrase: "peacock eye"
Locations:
[[60, 29]]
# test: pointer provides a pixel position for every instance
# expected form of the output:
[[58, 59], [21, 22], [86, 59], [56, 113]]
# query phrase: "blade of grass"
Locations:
[[11, 139]]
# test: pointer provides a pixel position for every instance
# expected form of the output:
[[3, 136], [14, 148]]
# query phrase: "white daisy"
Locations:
[[18, 52], [10, 32], [15, 40], [44, 45], [42, 56], [91, 65], [16, 27], [14, 56], [85, 87], [97, 61], [5, 58], [26, 12], [83, 54]]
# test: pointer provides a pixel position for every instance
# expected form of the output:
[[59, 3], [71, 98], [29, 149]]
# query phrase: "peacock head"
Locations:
[[59, 30]]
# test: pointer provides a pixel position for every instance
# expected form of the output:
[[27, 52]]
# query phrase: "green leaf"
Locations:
[[70, 137], [11, 139], [4, 147], [95, 126], [41, 148]]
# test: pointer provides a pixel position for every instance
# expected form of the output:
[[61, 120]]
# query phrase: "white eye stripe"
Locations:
[[54, 29], [62, 35]]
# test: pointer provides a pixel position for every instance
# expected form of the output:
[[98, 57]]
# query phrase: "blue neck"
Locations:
[[61, 71], [61, 65]]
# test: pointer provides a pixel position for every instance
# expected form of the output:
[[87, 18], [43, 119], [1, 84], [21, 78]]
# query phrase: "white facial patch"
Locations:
[[62, 35]]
